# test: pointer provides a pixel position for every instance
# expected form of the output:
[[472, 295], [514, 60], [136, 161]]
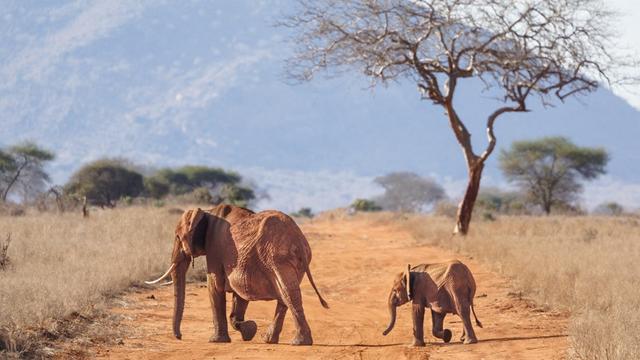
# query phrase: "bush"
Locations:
[[501, 202], [446, 208], [303, 212], [609, 209], [155, 187], [201, 195], [236, 195], [408, 192], [5, 262], [365, 205], [186, 179], [103, 182]]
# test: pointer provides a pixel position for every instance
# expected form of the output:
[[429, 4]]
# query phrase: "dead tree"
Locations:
[[521, 49]]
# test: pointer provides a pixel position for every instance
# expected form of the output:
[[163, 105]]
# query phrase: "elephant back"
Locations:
[[272, 236], [444, 272]]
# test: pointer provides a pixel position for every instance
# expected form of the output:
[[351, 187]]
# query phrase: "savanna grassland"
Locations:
[[65, 272], [587, 265], [62, 268]]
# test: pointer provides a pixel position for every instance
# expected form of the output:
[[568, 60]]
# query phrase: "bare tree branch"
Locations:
[[549, 50]]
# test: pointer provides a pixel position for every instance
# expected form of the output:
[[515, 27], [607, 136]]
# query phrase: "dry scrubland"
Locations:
[[587, 265], [63, 265]]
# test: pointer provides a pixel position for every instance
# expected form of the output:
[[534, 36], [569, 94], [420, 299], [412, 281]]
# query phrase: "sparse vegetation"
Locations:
[[61, 265], [5, 262], [408, 192], [587, 265], [548, 170], [304, 212], [365, 205], [22, 171], [545, 51], [200, 184], [609, 209], [103, 182], [502, 202]]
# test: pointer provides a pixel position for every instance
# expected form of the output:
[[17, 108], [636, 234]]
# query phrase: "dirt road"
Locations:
[[354, 262]]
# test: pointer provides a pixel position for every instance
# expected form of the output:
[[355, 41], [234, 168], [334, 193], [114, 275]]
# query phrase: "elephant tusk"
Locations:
[[167, 283], [173, 266]]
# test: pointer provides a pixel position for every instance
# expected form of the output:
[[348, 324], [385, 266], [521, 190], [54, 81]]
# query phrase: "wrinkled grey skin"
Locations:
[[446, 288]]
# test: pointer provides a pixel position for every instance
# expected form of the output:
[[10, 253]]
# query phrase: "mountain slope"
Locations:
[[167, 83]]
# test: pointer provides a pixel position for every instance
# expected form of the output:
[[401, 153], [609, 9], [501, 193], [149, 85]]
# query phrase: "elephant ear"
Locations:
[[408, 282], [192, 232]]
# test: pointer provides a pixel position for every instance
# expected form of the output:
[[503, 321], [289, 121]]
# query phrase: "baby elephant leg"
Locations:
[[437, 321]]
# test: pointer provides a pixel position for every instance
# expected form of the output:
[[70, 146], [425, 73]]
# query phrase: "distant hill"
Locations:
[[168, 83]]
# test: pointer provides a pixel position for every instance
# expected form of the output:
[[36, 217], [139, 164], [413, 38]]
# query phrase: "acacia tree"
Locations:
[[548, 49], [103, 182], [23, 165], [547, 170], [408, 192]]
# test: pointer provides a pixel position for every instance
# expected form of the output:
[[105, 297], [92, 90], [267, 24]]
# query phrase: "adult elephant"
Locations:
[[446, 288], [255, 256]]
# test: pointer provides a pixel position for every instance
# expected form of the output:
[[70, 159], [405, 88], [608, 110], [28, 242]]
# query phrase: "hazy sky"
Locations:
[[169, 83]]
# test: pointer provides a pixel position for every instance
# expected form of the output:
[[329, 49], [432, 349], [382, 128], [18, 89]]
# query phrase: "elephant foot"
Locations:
[[302, 340], [470, 340], [219, 339], [418, 343], [248, 329], [270, 338], [446, 335]]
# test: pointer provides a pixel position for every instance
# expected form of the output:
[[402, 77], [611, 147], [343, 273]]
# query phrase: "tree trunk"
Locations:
[[465, 208]]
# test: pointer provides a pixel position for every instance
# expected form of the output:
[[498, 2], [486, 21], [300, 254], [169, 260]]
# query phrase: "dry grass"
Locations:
[[63, 267], [588, 265]]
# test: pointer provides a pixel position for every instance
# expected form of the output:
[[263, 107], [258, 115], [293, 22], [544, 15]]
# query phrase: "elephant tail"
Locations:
[[473, 310], [322, 301]]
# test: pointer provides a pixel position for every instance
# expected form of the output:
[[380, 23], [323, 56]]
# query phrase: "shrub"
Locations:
[[104, 182], [5, 262], [201, 195], [365, 205], [303, 212], [609, 209], [446, 208]]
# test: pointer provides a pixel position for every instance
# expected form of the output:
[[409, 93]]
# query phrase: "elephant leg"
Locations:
[[464, 311], [437, 322], [217, 297], [418, 324], [247, 328], [291, 296], [272, 336]]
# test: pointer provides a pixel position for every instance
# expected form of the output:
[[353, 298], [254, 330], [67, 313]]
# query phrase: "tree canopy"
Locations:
[[104, 182], [548, 170], [22, 169], [408, 192], [188, 178], [523, 49]]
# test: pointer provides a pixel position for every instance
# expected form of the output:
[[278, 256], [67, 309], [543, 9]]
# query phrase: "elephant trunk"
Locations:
[[179, 282], [392, 314]]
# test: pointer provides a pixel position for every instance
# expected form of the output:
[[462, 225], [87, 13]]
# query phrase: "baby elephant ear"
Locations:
[[408, 281]]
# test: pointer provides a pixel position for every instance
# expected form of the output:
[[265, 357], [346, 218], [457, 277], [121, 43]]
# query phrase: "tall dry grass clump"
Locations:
[[588, 265], [64, 264]]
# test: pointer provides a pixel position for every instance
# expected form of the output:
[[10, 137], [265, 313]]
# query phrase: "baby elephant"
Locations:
[[446, 287]]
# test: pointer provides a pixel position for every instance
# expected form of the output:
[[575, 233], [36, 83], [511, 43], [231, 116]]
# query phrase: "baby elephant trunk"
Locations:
[[392, 314]]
